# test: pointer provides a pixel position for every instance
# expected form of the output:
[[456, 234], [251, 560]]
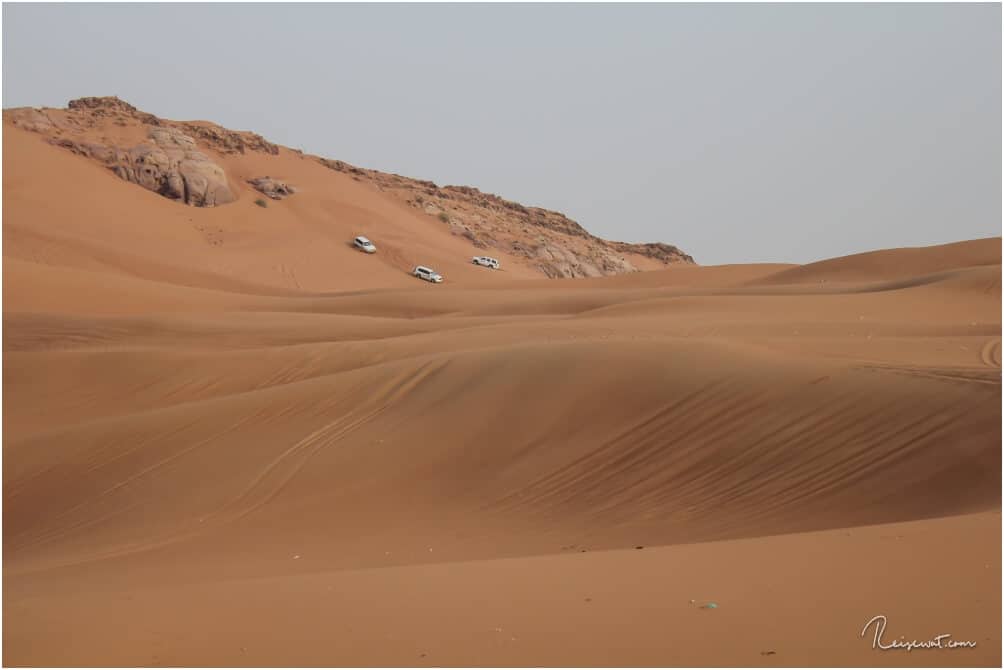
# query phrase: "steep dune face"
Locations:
[[231, 439]]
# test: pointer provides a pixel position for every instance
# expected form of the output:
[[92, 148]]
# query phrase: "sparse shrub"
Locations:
[[444, 217], [261, 202]]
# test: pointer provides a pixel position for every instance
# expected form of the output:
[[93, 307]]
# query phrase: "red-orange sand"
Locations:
[[229, 439]]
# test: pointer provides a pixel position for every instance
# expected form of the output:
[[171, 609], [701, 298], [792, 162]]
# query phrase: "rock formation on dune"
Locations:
[[273, 188], [228, 141], [168, 161], [111, 106], [85, 112]]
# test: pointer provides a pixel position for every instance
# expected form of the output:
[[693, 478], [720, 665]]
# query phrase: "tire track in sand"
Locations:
[[269, 482], [990, 354], [273, 478]]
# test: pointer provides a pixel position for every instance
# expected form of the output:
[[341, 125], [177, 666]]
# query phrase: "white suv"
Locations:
[[364, 244], [428, 274], [486, 262]]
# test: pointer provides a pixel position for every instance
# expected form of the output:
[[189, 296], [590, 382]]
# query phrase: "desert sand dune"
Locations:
[[895, 263], [230, 439]]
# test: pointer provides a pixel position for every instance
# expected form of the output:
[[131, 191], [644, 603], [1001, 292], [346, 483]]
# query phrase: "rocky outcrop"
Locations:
[[339, 166], [85, 113], [273, 188], [111, 106], [35, 120], [218, 138], [171, 166], [228, 141], [660, 251], [168, 164]]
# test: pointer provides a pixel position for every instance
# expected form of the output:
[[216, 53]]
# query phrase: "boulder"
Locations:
[[273, 188], [167, 164]]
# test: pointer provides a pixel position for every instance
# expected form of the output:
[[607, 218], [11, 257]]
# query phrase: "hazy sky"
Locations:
[[737, 132]]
